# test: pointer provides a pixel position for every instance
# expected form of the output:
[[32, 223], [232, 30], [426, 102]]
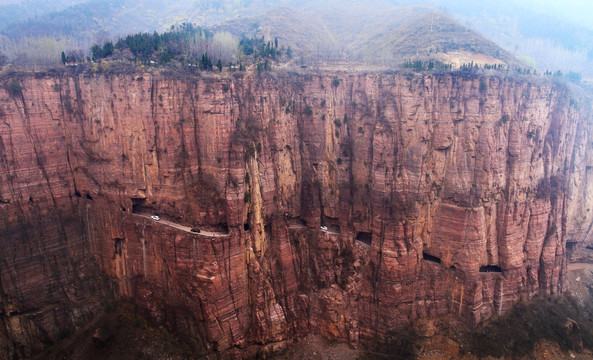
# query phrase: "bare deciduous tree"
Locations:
[[76, 55], [3, 60], [224, 47], [101, 37]]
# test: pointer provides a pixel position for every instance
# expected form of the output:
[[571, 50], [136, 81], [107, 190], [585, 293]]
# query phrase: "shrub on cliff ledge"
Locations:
[[3, 60], [15, 87], [483, 85]]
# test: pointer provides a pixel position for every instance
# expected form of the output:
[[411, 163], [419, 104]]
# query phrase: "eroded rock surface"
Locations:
[[463, 201]]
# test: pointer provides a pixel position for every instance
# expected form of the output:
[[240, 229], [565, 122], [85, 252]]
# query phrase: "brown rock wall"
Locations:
[[430, 165]]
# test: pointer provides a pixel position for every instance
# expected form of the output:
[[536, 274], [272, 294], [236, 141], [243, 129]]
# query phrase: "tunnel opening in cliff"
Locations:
[[364, 237], [222, 228], [490, 269], [426, 256], [297, 222], [332, 224], [139, 206], [571, 248]]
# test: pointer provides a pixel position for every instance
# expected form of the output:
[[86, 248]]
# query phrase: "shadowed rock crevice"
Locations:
[[490, 269], [426, 256]]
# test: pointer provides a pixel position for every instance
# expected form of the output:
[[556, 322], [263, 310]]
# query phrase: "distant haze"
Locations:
[[580, 11]]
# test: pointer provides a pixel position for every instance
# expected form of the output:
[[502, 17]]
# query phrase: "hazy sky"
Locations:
[[576, 10], [580, 11]]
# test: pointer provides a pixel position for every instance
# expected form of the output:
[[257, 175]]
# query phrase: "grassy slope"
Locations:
[[394, 32]]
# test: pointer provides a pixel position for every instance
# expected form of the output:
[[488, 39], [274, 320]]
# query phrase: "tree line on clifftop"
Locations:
[[432, 65], [184, 45]]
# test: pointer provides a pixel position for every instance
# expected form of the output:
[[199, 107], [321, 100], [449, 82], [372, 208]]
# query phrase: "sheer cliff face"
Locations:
[[441, 195]]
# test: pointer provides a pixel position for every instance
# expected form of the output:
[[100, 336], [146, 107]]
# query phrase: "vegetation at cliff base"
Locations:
[[517, 332], [561, 320]]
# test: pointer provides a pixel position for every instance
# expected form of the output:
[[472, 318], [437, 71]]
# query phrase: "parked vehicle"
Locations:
[[194, 230], [324, 228], [155, 217]]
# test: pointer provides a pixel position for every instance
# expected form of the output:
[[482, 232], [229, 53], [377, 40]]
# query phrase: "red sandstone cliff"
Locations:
[[463, 198]]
